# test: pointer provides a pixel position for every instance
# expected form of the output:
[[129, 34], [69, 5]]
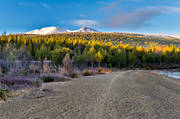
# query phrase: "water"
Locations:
[[170, 73]]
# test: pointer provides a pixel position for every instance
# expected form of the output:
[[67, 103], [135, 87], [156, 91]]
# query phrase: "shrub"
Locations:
[[46, 68], [33, 69], [4, 93], [68, 65], [24, 71], [109, 65], [38, 82], [42, 53], [86, 72], [57, 55], [99, 69], [48, 78], [75, 75]]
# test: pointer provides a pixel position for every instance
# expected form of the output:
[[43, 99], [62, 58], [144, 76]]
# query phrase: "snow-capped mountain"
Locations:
[[48, 30], [54, 30]]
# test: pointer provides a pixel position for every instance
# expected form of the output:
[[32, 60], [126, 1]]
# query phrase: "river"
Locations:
[[170, 73]]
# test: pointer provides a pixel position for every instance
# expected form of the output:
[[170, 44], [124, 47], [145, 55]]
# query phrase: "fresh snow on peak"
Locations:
[[55, 30], [47, 30], [87, 29]]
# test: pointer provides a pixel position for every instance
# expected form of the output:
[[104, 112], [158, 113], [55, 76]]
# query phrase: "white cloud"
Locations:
[[165, 9], [172, 9], [85, 22]]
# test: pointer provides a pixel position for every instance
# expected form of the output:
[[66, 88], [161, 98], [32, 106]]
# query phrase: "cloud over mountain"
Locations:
[[85, 22], [131, 19]]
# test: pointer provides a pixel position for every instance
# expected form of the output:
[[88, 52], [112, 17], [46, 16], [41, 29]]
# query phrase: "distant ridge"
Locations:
[[55, 30], [162, 36]]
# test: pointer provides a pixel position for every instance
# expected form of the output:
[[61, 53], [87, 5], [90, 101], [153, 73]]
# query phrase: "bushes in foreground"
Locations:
[[100, 70], [55, 78], [86, 72], [4, 93], [48, 78]]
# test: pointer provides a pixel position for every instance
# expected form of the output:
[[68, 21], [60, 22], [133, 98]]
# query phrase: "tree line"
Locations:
[[113, 49]]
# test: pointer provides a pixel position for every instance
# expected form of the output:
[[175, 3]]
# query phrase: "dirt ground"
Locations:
[[117, 95]]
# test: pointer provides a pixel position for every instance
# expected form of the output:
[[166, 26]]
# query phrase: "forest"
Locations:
[[103, 49]]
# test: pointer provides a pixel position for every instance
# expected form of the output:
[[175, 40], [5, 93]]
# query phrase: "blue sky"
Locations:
[[139, 16]]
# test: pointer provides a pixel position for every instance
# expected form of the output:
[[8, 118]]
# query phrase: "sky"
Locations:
[[134, 16]]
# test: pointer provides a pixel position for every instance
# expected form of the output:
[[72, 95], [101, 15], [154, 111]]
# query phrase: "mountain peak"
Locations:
[[87, 29]]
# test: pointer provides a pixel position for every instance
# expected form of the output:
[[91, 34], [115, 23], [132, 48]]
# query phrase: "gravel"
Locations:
[[118, 95]]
